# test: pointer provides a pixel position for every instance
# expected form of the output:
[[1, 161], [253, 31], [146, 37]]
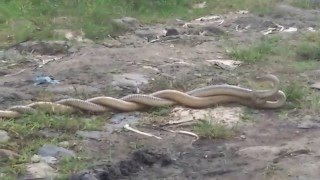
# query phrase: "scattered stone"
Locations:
[[171, 32], [97, 135], [264, 153], [69, 34], [228, 116], [64, 144], [55, 151], [7, 154], [112, 43], [316, 85], [4, 137], [44, 48], [49, 160], [308, 124], [132, 165], [40, 170], [2, 55], [153, 69], [146, 34], [35, 158], [119, 120], [128, 23], [225, 64], [129, 79], [13, 55], [243, 136], [200, 5]]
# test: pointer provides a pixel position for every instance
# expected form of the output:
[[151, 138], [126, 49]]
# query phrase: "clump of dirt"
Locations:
[[138, 160]]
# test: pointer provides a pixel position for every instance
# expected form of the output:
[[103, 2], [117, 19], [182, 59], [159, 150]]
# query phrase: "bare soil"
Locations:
[[88, 70]]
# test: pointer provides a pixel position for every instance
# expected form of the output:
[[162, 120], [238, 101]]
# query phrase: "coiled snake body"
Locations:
[[198, 98]]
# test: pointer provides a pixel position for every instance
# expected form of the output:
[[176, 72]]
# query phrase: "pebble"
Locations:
[[7, 154], [4, 137], [97, 135], [39, 170], [308, 124], [55, 151]]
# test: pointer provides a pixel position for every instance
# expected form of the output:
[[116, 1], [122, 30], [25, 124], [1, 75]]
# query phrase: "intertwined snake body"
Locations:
[[198, 98]]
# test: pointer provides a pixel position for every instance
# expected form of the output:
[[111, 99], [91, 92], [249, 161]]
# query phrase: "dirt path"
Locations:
[[270, 144]]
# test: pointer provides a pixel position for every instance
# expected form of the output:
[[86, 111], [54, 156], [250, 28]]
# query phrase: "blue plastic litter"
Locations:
[[45, 79]]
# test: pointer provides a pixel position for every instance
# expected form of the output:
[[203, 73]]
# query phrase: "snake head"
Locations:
[[267, 93]]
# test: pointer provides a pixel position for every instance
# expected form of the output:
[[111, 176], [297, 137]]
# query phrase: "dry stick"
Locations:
[[185, 132], [140, 132]]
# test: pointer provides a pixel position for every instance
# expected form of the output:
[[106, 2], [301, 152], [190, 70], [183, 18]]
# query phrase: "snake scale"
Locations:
[[198, 98]]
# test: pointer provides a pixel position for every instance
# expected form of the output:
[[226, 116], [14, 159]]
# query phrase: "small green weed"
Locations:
[[273, 171], [302, 66], [30, 124], [161, 111], [69, 165], [247, 115], [295, 93], [256, 52], [205, 129], [304, 4], [308, 51]]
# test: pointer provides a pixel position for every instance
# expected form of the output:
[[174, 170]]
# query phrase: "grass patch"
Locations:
[[69, 165], [309, 47], [295, 93], [31, 124], [38, 19], [161, 111], [308, 51], [206, 129], [247, 115], [304, 4], [26, 148], [256, 52], [26, 139], [302, 66], [301, 97]]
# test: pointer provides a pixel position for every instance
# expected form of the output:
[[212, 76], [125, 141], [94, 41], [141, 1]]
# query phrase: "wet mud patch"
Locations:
[[139, 160]]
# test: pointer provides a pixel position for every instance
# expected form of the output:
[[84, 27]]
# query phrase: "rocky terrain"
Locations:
[[230, 48]]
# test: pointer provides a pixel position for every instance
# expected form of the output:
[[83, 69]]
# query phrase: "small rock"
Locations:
[[243, 136], [308, 124], [55, 151], [4, 137], [40, 170], [35, 158], [171, 32], [2, 55], [44, 47], [13, 55], [128, 23], [146, 34], [90, 134], [129, 79], [119, 120], [49, 160], [64, 144], [7, 154], [84, 175]]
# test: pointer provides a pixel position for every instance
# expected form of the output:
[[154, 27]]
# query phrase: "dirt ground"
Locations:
[[269, 146]]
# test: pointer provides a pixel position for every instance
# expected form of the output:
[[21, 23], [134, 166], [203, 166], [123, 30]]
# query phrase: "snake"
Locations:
[[198, 98]]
